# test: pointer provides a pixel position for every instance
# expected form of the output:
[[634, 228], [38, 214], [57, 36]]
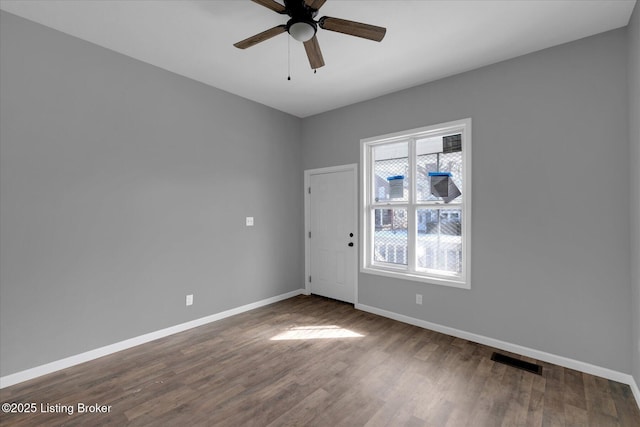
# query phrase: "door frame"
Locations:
[[353, 169]]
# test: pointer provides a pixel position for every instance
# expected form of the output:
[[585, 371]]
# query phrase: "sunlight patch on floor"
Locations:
[[315, 332]]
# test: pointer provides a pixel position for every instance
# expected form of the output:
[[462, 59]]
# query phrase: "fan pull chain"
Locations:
[[288, 57]]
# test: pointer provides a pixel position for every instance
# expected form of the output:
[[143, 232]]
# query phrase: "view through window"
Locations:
[[416, 204]]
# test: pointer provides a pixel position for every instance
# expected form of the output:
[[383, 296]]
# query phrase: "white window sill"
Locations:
[[416, 277]]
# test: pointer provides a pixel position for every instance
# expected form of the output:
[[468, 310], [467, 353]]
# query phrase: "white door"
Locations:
[[332, 250]]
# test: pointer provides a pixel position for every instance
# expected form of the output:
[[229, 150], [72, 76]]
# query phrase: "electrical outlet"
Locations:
[[190, 299], [419, 299], [249, 221]]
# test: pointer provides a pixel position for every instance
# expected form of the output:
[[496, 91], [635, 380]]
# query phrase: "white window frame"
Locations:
[[367, 205]]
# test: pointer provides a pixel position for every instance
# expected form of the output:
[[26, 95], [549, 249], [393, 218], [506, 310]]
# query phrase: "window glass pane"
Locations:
[[439, 242], [391, 172], [390, 236], [439, 155]]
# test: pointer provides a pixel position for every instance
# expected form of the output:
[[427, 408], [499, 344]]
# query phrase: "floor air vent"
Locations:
[[516, 363]]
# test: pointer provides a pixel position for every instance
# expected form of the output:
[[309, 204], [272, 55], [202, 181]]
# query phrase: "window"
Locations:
[[416, 205]]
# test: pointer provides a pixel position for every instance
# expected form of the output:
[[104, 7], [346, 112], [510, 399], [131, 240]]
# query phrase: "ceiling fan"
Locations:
[[302, 26]]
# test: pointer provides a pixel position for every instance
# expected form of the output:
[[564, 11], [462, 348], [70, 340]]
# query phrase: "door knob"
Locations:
[[350, 243], [350, 234]]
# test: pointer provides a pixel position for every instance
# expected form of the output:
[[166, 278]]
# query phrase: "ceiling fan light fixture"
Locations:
[[302, 31]]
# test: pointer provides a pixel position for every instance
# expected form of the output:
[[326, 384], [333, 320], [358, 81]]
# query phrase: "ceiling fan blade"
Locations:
[[352, 28], [265, 35], [271, 4], [315, 4], [313, 53]]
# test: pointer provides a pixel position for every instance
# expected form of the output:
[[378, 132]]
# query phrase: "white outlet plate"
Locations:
[[190, 299], [249, 221], [419, 299]]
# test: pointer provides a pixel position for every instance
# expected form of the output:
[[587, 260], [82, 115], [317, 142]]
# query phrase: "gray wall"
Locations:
[[550, 263], [124, 187], [120, 187], [634, 137]]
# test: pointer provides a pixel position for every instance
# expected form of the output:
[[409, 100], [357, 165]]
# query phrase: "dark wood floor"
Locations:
[[311, 361]]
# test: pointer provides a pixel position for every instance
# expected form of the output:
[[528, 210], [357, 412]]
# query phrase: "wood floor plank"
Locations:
[[305, 411], [517, 405], [627, 414], [278, 366]]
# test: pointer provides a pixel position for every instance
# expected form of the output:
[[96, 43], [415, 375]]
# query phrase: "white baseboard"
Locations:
[[67, 362], [513, 348]]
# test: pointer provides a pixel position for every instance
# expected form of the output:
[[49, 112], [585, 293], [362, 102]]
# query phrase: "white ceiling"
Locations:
[[426, 40]]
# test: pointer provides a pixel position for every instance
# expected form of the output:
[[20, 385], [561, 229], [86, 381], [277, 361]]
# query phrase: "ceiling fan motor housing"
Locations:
[[299, 10]]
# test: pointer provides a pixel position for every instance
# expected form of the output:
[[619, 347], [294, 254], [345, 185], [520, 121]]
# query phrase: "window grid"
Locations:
[[413, 232]]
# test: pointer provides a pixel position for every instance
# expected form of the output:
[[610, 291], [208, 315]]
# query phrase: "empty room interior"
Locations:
[[312, 212]]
